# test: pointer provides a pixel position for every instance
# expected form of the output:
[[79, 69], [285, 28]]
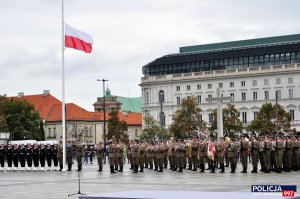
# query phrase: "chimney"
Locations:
[[46, 92], [20, 94]]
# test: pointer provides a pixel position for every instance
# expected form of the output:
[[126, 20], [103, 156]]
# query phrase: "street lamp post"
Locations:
[[104, 116], [161, 99], [276, 108]]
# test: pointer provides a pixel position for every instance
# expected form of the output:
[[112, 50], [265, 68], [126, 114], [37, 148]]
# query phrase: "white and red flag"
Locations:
[[211, 150], [77, 39]]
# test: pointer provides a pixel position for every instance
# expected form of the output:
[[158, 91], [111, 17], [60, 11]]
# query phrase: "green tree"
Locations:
[[186, 121], [266, 118], [22, 120], [3, 102], [116, 129], [150, 132], [42, 131], [231, 121]]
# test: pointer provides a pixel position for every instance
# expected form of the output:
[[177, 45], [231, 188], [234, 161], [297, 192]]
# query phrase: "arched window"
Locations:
[[161, 96]]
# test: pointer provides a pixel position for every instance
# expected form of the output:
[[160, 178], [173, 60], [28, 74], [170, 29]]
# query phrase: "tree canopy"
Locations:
[[116, 129]]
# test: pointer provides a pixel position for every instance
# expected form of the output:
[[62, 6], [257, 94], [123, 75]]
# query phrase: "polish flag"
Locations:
[[77, 39]]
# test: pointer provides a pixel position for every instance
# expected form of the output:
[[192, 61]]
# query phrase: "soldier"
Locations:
[[254, 145], [171, 154], [141, 155], [49, 152], [2, 155], [22, 157], [279, 154], [210, 155], [16, 157], [120, 148], [160, 155], [79, 155], [289, 153], [9, 154], [262, 156], [54, 156], [273, 158], [69, 151], [155, 153], [112, 155], [149, 155], [227, 141], [244, 148], [99, 153], [42, 157], [181, 150], [296, 154], [194, 154], [60, 155], [267, 149], [165, 155], [221, 154], [129, 154], [202, 154], [134, 152], [232, 154], [29, 156], [35, 156], [189, 154]]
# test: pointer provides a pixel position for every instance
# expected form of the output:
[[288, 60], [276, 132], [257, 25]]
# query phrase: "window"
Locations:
[[177, 88], [243, 83], [244, 117], [254, 82], [291, 93], [161, 96], [220, 85], [232, 97], [243, 96], [210, 118], [49, 132], [255, 95], [278, 81], [188, 87], [255, 114], [199, 99], [267, 95], [292, 114], [178, 100], [231, 84], [54, 132], [199, 87], [290, 80], [147, 98], [209, 96], [266, 82], [209, 86], [278, 94]]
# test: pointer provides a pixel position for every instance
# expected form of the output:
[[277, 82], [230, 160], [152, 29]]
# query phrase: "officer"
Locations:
[[120, 148], [261, 154], [149, 155], [181, 150], [69, 151], [221, 154], [254, 153], [194, 145], [54, 156], [160, 155], [9, 157], [232, 154], [29, 156], [16, 157], [279, 154], [49, 152], [79, 155], [268, 148], [22, 157], [99, 154], [42, 157], [134, 152], [60, 155], [2, 155], [141, 155], [202, 154], [244, 147], [112, 155], [35, 156]]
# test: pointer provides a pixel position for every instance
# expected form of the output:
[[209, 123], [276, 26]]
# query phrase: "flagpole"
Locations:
[[63, 111]]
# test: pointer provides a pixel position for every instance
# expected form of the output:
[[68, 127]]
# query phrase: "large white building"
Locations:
[[248, 71]]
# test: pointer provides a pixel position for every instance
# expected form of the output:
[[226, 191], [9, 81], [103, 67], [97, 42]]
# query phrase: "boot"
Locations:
[[180, 169], [254, 170], [174, 168], [222, 168], [151, 167], [202, 168], [161, 169], [116, 167], [243, 170], [232, 169], [195, 168], [121, 169], [278, 170], [100, 168], [141, 169], [212, 169], [69, 167], [60, 167], [184, 166], [112, 169], [79, 168], [156, 168]]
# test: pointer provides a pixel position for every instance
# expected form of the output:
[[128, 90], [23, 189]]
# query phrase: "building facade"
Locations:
[[251, 72]]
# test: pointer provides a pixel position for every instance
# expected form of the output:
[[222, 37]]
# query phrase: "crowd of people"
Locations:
[[272, 154]]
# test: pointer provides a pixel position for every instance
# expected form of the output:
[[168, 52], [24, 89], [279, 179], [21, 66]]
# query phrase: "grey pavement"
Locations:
[[55, 184]]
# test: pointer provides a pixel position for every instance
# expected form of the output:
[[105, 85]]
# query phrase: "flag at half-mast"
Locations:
[[211, 150], [77, 39]]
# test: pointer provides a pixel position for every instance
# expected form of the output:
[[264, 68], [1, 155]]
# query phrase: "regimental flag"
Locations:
[[211, 150], [77, 39]]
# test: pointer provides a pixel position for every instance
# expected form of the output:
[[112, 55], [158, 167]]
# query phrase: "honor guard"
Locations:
[[279, 148], [141, 155], [22, 157], [134, 152], [49, 153], [2, 155], [35, 156], [112, 155], [120, 149], [79, 155], [289, 153], [160, 155], [99, 154], [9, 157], [244, 149], [194, 154], [16, 157], [232, 154], [69, 151], [181, 150], [54, 156], [60, 155], [254, 145], [221, 154], [29, 156], [202, 154], [42, 157], [267, 149], [296, 154]]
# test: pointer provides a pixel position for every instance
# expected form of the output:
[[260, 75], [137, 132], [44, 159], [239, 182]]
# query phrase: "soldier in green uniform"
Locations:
[[261, 153], [99, 154], [244, 148], [160, 155], [112, 155], [79, 155], [232, 149], [202, 154], [279, 148], [120, 148], [181, 150], [194, 145], [254, 145], [134, 153], [289, 153], [141, 155], [149, 155], [296, 154], [60, 155], [221, 153], [267, 150], [69, 152]]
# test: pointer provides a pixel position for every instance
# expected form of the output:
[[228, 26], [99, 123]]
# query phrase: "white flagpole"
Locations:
[[63, 90]]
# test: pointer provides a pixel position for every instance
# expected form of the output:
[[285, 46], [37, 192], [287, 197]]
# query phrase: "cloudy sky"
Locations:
[[127, 35]]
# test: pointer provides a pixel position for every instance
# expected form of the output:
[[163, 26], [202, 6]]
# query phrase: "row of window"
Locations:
[[86, 131], [290, 80]]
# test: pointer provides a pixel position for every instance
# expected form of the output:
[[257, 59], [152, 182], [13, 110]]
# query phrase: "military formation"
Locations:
[[270, 154]]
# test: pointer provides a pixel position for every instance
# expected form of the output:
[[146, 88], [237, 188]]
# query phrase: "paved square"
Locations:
[[55, 184]]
